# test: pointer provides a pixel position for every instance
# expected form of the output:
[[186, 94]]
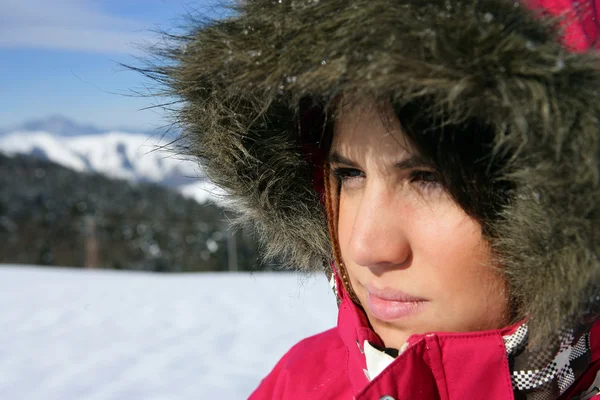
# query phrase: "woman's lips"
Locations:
[[389, 305]]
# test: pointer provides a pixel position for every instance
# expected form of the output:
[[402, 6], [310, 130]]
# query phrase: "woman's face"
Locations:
[[416, 261]]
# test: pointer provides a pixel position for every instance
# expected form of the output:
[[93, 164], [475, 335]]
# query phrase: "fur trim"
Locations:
[[241, 80]]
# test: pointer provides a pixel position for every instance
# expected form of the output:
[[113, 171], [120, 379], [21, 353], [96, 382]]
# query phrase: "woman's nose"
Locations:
[[378, 234]]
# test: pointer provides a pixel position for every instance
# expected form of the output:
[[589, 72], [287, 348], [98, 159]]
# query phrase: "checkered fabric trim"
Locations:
[[516, 341], [544, 375]]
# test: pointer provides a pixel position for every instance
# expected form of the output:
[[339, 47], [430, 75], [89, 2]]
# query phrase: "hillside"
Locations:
[[52, 215]]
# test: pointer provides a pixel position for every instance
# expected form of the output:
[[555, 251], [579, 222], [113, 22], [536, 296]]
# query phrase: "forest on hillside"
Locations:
[[51, 215]]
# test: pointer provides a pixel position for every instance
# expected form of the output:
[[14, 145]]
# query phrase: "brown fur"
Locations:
[[241, 80]]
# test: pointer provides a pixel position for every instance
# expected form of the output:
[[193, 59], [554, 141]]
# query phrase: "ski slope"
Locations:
[[70, 334]]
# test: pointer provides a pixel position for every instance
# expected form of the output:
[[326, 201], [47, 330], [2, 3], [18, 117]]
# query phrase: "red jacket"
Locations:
[[580, 21], [444, 366]]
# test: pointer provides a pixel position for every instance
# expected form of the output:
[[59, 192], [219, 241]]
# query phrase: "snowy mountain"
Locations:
[[58, 125], [135, 157]]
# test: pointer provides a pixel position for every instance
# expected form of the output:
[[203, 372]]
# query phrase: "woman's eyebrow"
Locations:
[[335, 157], [412, 162], [415, 161]]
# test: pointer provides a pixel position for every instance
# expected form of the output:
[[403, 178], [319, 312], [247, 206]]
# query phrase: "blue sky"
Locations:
[[61, 57]]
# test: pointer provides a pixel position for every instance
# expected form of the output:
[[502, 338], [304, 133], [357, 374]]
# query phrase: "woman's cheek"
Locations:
[[468, 291]]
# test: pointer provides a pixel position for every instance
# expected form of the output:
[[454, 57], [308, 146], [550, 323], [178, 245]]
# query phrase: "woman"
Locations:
[[439, 160]]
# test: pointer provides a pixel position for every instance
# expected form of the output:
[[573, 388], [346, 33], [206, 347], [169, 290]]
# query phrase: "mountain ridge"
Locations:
[[135, 157]]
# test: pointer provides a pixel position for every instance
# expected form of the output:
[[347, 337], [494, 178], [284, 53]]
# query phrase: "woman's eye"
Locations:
[[346, 174], [425, 177]]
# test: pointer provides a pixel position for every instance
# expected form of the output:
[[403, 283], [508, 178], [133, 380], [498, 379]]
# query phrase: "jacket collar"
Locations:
[[438, 355], [457, 363]]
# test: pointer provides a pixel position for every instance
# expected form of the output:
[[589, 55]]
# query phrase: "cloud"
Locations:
[[76, 25], [89, 40]]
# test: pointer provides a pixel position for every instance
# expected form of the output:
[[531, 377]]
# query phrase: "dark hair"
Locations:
[[462, 154]]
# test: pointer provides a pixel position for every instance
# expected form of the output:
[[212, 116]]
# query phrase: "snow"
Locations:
[[203, 191], [51, 146], [115, 154], [110, 335], [121, 155]]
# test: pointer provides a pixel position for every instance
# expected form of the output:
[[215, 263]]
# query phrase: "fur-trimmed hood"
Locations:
[[241, 80]]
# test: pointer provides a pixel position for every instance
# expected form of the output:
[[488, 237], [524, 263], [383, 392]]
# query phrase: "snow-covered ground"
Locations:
[[69, 334]]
